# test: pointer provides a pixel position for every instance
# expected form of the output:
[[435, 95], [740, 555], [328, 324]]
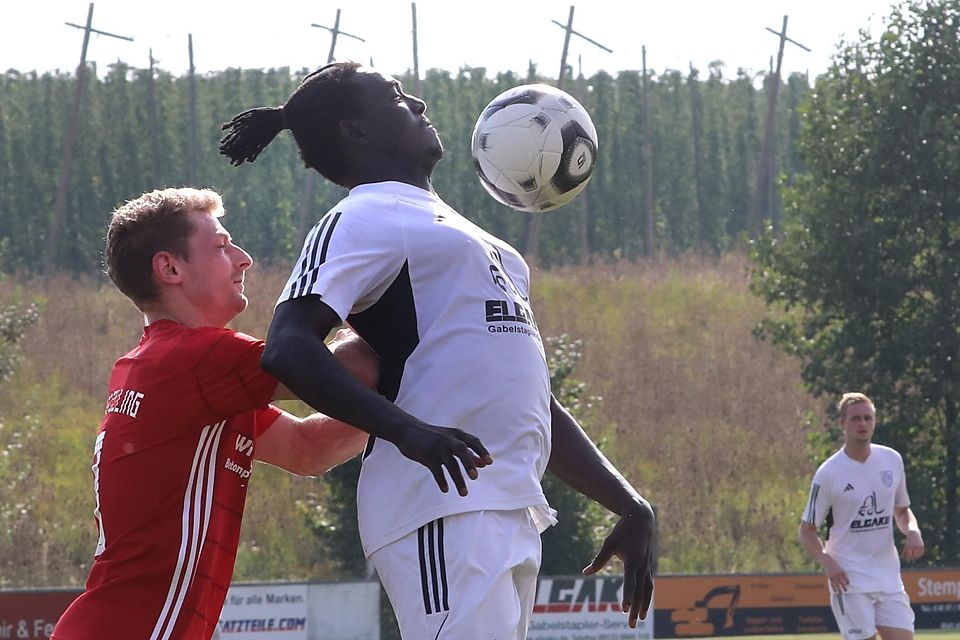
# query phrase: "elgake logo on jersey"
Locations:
[[871, 516], [886, 477], [513, 308]]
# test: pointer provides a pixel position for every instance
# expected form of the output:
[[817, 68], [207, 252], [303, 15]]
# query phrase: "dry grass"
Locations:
[[707, 421], [710, 422]]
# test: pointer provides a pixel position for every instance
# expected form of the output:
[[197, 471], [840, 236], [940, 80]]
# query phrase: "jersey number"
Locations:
[[97, 448]]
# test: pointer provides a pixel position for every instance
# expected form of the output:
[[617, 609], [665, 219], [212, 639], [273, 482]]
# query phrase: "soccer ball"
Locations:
[[534, 148]]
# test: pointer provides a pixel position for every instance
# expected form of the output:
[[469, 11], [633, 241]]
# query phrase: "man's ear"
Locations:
[[166, 268], [353, 131]]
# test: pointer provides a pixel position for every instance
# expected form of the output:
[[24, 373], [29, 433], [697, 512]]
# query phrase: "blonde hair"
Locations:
[[155, 221], [851, 398]]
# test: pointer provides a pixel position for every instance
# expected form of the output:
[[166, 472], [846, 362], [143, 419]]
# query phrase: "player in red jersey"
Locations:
[[187, 413]]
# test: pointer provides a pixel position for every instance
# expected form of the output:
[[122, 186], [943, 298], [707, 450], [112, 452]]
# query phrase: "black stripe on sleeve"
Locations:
[[319, 245], [810, 515], [323, 253], [313, 238]]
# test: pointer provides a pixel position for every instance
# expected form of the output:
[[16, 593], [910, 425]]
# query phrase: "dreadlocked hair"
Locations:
[[250, 132], [312, 113]]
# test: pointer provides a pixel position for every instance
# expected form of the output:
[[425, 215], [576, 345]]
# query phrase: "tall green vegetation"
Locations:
[[125, 147], [866, 272]]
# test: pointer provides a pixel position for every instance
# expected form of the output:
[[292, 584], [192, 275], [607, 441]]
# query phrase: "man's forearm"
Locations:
[[906, 520], [812, 544], [577, 461], [304, 365]]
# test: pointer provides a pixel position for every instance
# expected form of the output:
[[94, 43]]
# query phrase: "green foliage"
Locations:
[[863, 281], [333, 519], [15, 319], [46, 509], [706, 422], [569, 545], [135, 135], [275, 543]]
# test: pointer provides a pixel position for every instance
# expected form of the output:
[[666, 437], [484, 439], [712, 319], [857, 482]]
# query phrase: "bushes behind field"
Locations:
[[708, 422]]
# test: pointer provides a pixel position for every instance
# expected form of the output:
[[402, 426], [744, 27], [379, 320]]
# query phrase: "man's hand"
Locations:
[[839, 580], [444, 448], [632, 540], [913, 548]]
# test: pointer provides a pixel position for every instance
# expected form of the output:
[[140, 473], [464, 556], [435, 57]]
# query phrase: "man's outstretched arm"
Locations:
[[577, 461], [297, 356]]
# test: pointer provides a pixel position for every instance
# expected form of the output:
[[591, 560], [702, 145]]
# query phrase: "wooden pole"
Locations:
[[761, 204], [533, 241], [532, 231], [192, 89], [696, 107], [309, 182], [69, 142], [582, 203], [333, 40], [417, 86], [154, 124], [646, 156]]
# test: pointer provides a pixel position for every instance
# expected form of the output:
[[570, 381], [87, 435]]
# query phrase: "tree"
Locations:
[[569, 545], [15, 319], [867, 269]]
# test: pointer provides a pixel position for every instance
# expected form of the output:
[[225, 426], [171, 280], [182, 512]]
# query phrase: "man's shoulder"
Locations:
[[189, 341], [884, 453], [832, 465], [836, 458], [366, 213]]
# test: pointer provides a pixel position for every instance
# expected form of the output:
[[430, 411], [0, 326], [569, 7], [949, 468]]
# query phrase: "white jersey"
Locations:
[[446, 306], [857, 501]]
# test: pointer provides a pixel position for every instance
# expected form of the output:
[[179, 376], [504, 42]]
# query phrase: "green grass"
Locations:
[[940, 634]]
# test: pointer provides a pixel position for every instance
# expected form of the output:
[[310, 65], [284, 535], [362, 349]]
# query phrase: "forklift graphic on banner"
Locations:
[[710, 615]]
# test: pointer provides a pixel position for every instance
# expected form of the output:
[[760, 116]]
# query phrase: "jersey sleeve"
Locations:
[[902, 498], [350, 257], [228, 375], [265, 418], [818, 502]]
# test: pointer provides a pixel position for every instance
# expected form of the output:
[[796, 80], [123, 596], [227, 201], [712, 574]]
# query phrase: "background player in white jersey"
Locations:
[[447, 308], [860, 492]]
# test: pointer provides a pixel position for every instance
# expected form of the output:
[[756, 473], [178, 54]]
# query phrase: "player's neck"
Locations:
[[857, 451], [186, 315]]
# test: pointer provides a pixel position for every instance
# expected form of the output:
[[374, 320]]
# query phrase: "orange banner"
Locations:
[[760, 604]]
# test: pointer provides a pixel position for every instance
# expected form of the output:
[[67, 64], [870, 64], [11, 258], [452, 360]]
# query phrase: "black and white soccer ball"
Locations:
[[534, 148]]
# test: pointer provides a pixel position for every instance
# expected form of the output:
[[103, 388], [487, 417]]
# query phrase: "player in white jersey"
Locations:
[[447, 308], [860, 492]]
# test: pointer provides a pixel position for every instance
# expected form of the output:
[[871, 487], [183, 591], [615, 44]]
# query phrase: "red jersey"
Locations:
[[171, 465]]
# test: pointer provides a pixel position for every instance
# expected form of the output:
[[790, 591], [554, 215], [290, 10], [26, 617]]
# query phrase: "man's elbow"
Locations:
[[273, 358]]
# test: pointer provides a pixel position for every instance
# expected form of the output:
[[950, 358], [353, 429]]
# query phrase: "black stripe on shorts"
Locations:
[[433, 567]]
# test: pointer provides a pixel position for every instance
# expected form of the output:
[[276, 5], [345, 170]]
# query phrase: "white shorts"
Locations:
[[859, 614], [469, 575]]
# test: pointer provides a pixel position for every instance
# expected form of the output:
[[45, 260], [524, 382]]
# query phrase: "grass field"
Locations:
[[926, 633]]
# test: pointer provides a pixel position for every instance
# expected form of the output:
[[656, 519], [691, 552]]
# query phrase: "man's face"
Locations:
[[858, 423], [213, 276], [394, 122]]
